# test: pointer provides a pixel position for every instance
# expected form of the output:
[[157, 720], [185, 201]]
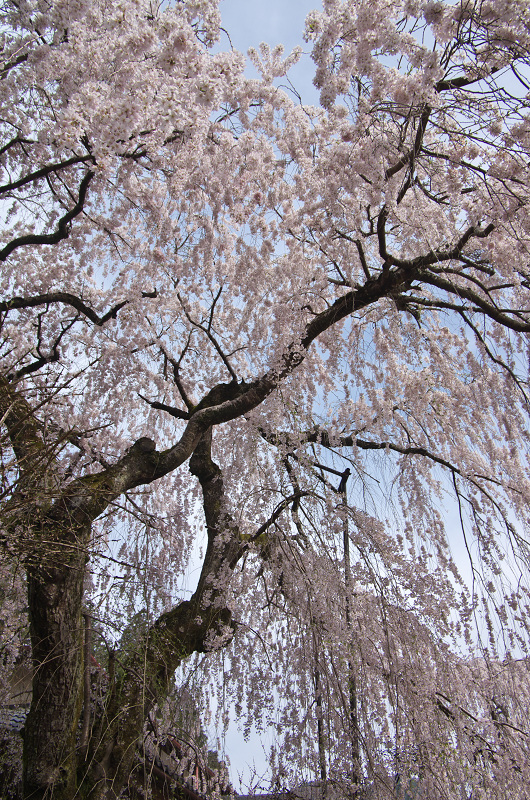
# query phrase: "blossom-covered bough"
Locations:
[[314, 322]]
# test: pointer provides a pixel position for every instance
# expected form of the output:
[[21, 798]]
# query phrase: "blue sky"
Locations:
[[250, 22]]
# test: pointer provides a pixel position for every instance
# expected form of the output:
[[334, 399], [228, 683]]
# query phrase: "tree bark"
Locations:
[[144, 675], [55, 598], [57, 520]]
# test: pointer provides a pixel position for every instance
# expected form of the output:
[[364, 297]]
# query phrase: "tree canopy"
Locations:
[[297, 332]]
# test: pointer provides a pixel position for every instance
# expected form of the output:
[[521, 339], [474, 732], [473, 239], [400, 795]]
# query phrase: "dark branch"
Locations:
[[63, 228], [70, 300], [410, 155], [488, 308], [11, 64], [43, 172], [463, 81], [175, 412], [292, 500]]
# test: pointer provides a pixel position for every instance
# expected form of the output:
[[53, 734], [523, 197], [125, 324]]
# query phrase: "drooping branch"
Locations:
[[495, 359], [63, 228], [43, 172], [226, 402], [324, 438], [464, 292], [68, 299]]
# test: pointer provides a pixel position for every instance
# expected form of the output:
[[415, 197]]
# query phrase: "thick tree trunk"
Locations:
[[57, 518], [55, 598], [143, 676], [54, 551]]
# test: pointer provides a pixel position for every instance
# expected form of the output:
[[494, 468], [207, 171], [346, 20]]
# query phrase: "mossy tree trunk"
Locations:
[[55, 594], [56, 515], [57, 519]]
